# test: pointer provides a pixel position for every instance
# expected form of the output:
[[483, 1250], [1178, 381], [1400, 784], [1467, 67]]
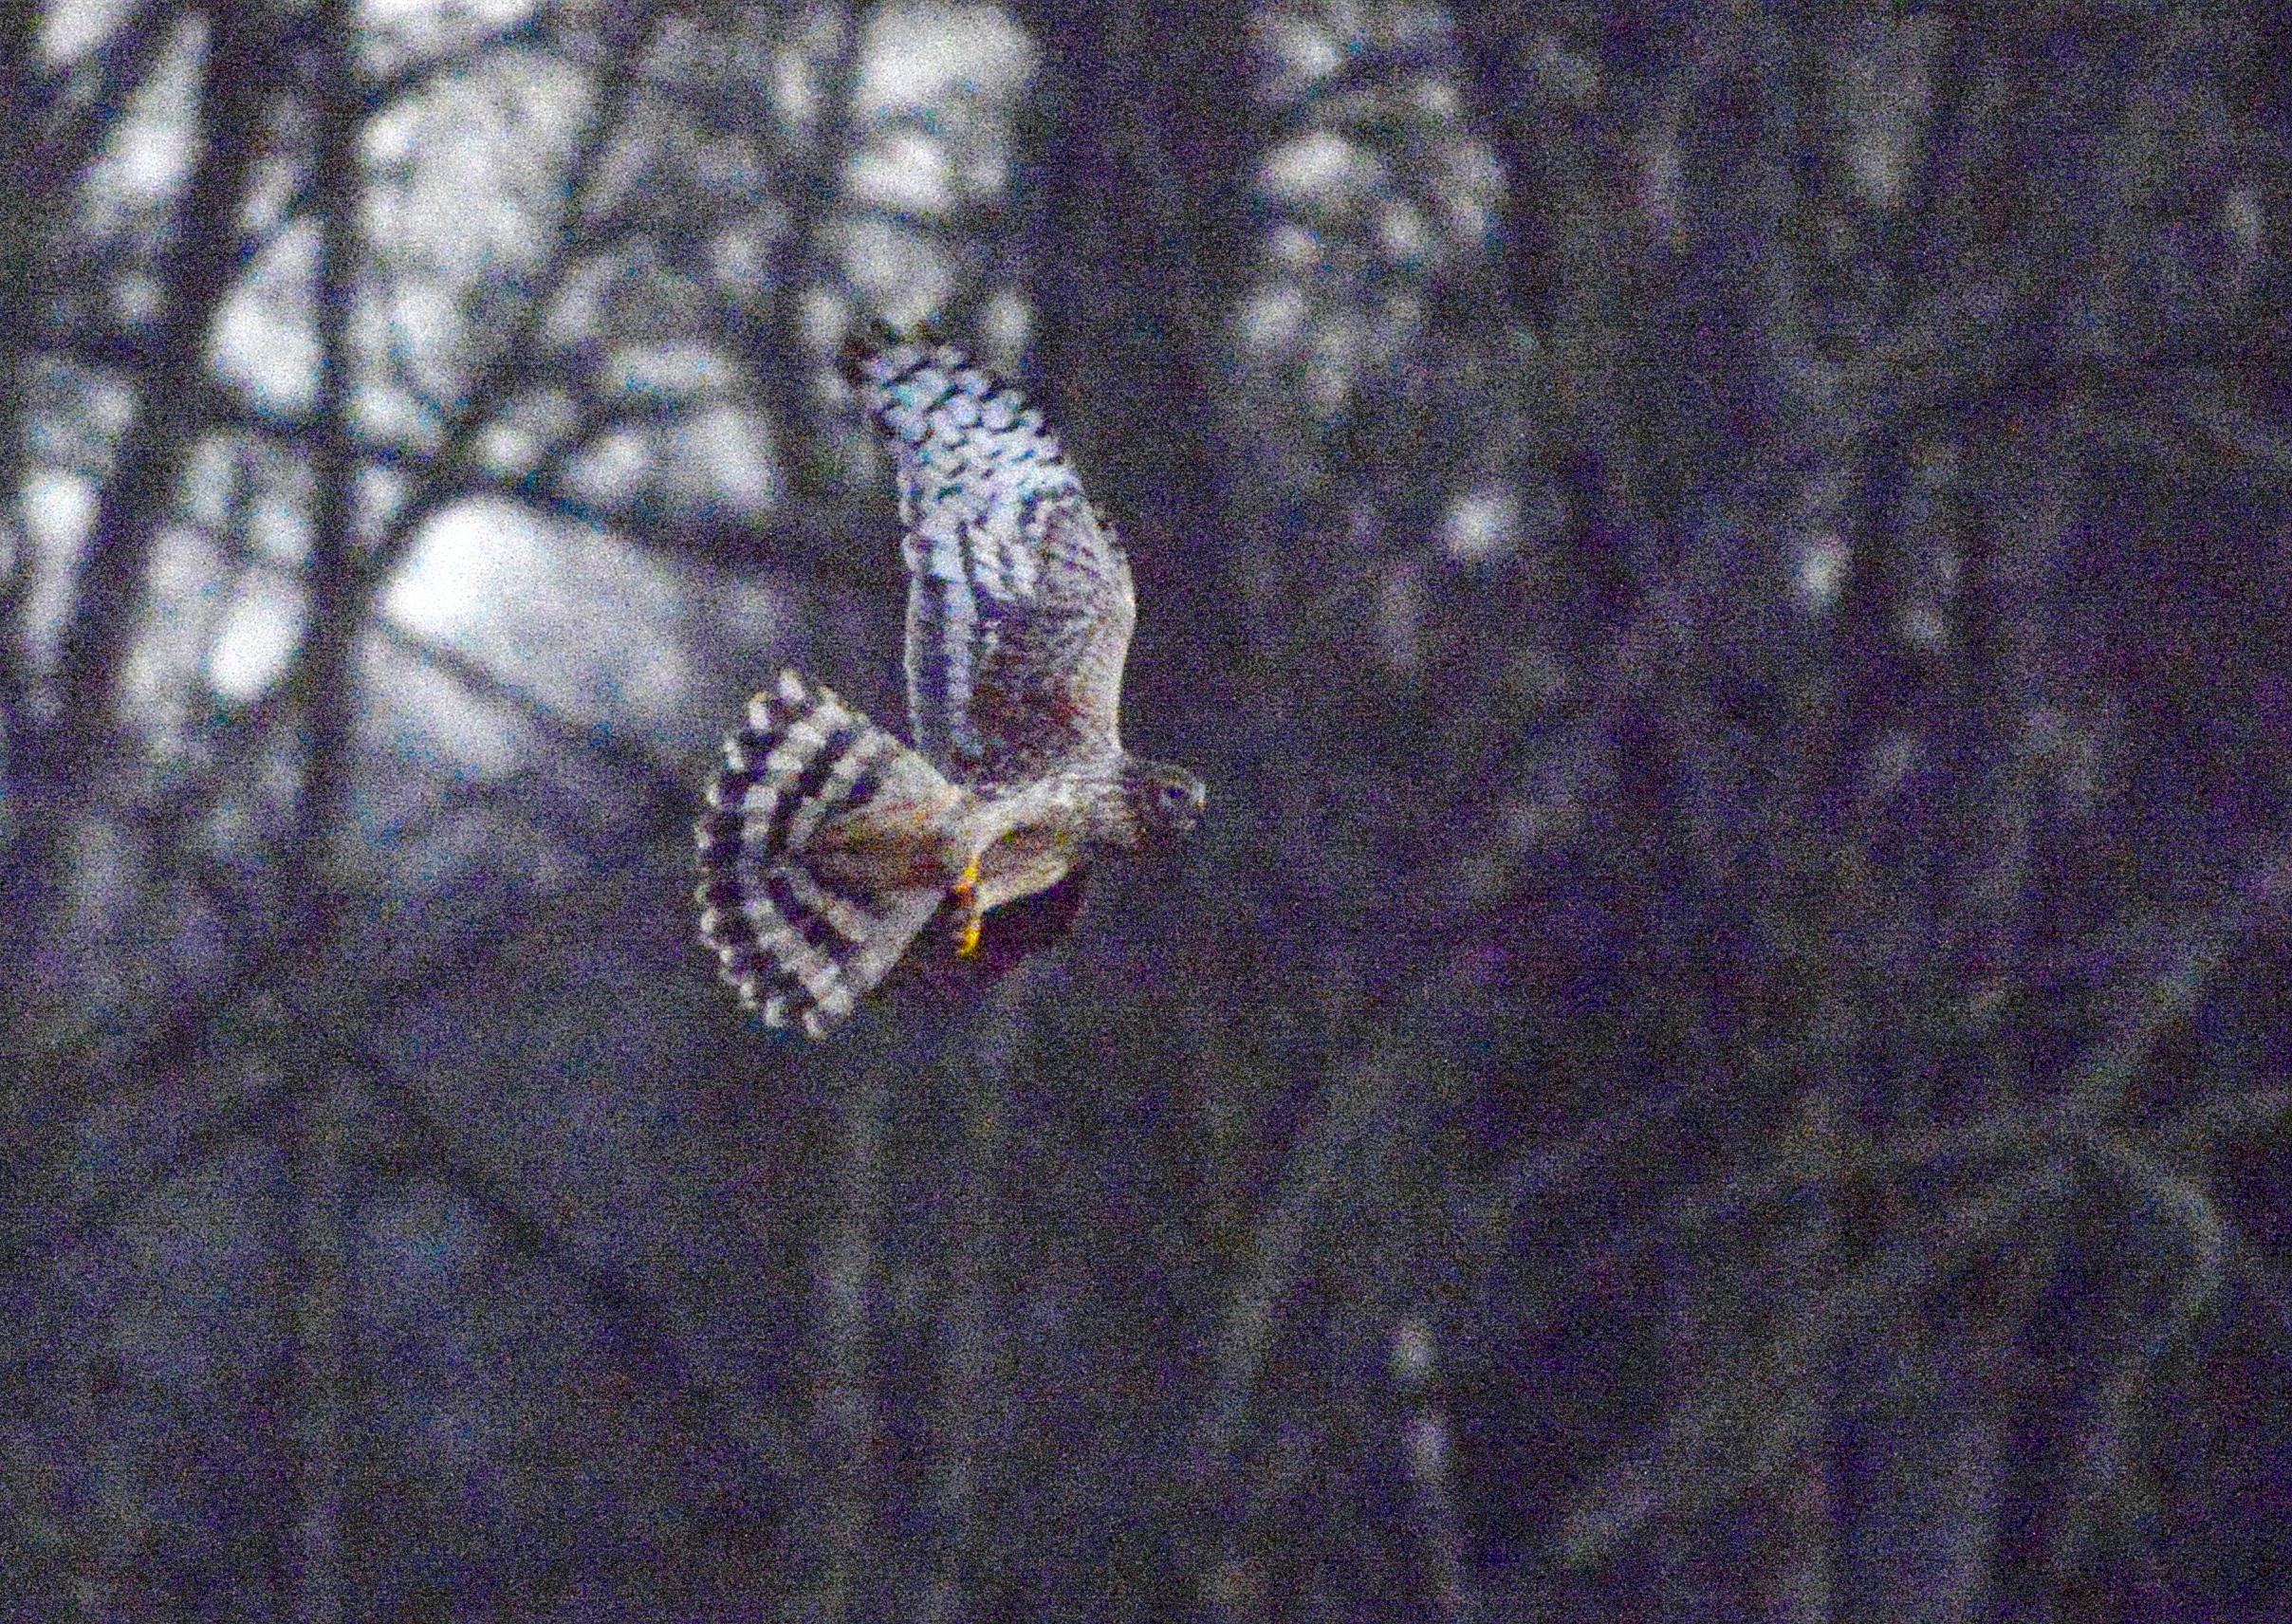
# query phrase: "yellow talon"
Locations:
[[967, 897]]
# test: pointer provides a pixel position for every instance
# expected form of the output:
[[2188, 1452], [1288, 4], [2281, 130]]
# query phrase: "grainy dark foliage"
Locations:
[[1722, 1054]]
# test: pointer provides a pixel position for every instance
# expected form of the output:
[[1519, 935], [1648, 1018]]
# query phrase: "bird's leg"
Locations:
[[965, 894]]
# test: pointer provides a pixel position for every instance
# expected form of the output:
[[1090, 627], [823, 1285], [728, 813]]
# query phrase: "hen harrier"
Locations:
[[828, 845]]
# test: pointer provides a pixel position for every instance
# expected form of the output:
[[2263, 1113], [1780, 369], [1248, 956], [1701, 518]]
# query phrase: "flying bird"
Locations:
[[829, 847]]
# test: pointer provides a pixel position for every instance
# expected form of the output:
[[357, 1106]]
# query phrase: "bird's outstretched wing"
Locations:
[[1020, 605]]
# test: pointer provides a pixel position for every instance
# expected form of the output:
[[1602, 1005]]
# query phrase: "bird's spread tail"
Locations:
[[824, 848]]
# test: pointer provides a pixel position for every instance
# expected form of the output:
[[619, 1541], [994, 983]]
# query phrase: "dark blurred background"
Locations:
[[1724, 1053]]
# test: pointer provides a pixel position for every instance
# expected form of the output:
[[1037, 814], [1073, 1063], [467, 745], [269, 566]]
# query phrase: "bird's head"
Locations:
[[1165, 801]]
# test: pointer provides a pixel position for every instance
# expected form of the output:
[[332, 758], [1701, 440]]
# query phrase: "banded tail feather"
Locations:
[[824, 848]]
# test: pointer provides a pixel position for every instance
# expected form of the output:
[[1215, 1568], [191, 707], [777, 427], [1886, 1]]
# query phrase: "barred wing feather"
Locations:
[[1020, 604]]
